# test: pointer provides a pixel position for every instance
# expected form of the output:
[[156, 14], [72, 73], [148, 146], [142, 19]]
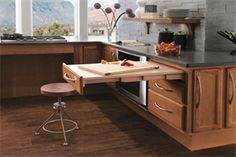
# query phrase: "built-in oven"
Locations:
[[136, 91]]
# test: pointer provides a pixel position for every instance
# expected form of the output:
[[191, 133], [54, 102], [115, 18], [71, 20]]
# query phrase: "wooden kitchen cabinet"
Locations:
[[171, 89], [109, 53], [231, 97], [166, 109], [87, 53], [92, 53], [165, 100], [78, 54], [26, 67], [208, 100]]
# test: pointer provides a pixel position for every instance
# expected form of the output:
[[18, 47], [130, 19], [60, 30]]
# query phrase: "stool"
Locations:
[[58, 90]]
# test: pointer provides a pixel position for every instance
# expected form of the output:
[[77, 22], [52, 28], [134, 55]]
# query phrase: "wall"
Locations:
[[135, 30], [221, 15]]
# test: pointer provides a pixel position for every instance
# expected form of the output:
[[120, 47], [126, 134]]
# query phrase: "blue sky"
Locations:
[[91, 2]]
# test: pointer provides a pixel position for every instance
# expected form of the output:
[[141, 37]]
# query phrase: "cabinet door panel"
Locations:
[[208, 99], [231, 98], [92, 54], [109, 53]]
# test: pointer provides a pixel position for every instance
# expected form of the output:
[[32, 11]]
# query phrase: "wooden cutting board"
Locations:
[[112, 69]]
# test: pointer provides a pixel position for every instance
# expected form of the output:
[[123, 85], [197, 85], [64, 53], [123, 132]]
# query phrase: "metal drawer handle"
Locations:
[[113, 54], [233, 93], [200, 92], [65, 76], [162, 109], [161, 88]]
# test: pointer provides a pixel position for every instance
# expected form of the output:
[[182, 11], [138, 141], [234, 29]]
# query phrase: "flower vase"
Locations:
[[111, 36]]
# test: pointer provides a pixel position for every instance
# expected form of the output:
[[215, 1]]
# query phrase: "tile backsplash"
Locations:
[[223, 11], [220, 15]]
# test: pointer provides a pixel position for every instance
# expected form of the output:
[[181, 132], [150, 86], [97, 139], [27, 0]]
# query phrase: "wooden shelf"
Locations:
[[188, 22]]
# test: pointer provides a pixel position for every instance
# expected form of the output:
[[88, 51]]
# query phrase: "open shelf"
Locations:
[[189, 22]]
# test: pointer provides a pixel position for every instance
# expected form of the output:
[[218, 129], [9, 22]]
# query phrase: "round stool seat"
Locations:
[[58, 89]]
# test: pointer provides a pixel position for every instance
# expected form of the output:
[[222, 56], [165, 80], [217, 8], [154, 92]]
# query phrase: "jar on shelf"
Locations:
[[140, 10]]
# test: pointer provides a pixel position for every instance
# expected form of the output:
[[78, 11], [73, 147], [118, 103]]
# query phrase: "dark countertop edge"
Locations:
[[68, 42], [124, 48], [187, 65]]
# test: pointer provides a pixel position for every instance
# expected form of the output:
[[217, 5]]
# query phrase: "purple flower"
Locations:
[[132, 15], [97, 5], [129, 11], [117, 6], [108, 10]]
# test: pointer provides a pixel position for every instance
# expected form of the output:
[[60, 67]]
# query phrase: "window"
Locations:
[[7, 16], [44, 17], [96, 20], [53, 17]]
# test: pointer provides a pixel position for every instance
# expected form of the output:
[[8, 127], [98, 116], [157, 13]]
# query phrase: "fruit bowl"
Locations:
[[168, 49]]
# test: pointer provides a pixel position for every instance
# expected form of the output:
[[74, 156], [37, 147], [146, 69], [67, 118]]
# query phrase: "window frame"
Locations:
[[25, 25]]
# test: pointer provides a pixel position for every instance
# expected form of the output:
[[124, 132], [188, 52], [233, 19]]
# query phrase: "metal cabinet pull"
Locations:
[[162, 109], [65, 76], [233, 92], [113, 54], [161, 88], [200, 92]]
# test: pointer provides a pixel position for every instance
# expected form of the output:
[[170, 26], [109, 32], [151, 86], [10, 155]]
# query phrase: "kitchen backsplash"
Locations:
[[221, 15], [214, 15]]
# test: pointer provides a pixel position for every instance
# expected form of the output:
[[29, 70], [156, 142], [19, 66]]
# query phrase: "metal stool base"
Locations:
[[59, 109], [60, 132]]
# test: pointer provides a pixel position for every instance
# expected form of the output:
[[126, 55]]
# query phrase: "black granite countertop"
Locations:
[[186, 59], [69, 40]]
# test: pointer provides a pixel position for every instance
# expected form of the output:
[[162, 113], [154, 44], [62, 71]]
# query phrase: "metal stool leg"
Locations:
[[77, 126], [59, 109], [39, 128], [63, 128]]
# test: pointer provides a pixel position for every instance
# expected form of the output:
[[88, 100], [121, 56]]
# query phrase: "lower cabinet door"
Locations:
[[92, 54], [109, 53], [208, 99], [231, 98]]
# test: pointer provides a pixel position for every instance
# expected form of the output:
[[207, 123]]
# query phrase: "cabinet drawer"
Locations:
[[78, 78], [170, 89], [165, 109]]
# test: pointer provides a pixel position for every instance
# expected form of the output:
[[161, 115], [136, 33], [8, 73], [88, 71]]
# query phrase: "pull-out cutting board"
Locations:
[[112, 69], [78, 77]]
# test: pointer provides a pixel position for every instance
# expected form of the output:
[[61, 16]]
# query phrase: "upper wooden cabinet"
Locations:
[[207, 103], [231, 97]]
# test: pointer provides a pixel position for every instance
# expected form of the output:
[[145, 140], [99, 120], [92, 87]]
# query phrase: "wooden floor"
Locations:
[[107, 128]]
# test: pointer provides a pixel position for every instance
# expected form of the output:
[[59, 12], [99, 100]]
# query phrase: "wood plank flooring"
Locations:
[[107, 128]]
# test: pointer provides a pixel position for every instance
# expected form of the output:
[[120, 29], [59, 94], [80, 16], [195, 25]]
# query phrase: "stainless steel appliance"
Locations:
[[137, 91], [19, 38], [165, 36]]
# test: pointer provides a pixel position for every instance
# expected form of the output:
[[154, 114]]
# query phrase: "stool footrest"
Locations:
[[59, 109], [60, 132]]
